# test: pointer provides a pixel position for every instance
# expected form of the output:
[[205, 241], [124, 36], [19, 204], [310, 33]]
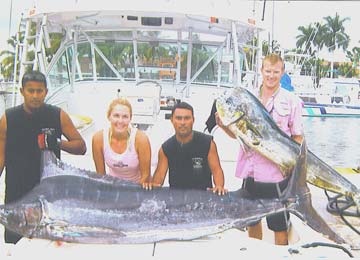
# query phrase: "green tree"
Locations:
[[7, 60], [354, 56], [305, 40], [335, 36], [55, 42], [311, 38], [347, 70]]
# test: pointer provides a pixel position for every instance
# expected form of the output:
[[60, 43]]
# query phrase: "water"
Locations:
[[334, 140]]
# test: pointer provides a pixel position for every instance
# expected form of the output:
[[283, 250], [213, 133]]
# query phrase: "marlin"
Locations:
[[254, 128], [80, 206]]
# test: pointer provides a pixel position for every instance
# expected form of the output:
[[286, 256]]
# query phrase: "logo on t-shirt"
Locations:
[[120, 164], [197, 162]]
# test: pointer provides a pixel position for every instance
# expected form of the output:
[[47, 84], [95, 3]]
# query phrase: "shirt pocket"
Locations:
[[281, 114]]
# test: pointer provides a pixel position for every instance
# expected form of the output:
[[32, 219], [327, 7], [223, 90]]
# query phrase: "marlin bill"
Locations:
[[78, 206], [254, 128]]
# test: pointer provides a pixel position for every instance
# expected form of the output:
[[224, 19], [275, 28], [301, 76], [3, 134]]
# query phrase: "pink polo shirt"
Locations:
[[285, 108]]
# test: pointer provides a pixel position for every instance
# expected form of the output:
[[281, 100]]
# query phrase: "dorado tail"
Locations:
[[298, 197]]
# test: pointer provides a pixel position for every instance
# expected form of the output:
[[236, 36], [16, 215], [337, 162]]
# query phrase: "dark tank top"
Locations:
[[22, 153], [188, 163]]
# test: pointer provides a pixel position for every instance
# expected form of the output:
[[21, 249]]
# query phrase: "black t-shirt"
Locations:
[[22, 153], [188, 163]]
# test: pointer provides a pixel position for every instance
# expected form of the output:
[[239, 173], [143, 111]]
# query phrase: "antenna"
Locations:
[[263, 14], [10, 18]]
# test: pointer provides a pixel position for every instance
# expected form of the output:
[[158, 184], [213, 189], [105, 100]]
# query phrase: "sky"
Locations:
[[288, 15]]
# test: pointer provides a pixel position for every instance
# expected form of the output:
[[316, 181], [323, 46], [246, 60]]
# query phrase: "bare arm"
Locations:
[[161, 169], [75, 144], [143, 150], [3, 130], [217, 172], [98, 152]]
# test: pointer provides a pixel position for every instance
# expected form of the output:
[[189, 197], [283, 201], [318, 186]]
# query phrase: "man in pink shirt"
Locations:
[[262, 178]]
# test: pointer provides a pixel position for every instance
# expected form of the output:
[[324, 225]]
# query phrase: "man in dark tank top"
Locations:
[[190, 156], [20, 127]]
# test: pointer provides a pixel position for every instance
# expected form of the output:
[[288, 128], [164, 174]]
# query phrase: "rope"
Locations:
[[348, 205]]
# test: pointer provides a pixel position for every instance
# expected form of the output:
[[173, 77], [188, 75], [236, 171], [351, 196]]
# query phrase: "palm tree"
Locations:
[[354, 56], [335, 37], [7, 60], [311, 38], [321, 31], [305, 40], [347, 70]]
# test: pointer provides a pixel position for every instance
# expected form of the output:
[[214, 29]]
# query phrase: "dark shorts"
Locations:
[[260, 190]]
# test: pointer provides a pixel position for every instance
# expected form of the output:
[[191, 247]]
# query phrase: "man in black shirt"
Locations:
[[20, 127], [190, 156]]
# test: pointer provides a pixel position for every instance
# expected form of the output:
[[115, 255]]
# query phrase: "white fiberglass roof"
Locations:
[[113, 15]]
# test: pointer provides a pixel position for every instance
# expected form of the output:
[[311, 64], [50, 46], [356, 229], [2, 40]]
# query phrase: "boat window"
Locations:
[[169, 20], [200, 54], [132, 18], [85, 60], [157, 60], [157, 35], [112, 35], [70, 52], [120, 55], [151, 21], [204, 37], [59, 75]]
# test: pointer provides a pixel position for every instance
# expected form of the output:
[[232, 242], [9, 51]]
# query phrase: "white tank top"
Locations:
[[125, 165]]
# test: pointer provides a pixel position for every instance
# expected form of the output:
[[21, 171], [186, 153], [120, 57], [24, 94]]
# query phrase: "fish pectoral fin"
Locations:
[[253, 129], [237, 119]]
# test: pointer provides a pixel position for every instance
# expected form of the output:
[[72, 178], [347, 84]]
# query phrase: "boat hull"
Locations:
[[330, 110]]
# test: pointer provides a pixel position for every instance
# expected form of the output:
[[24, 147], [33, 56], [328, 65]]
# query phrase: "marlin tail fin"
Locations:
[[298, 197]]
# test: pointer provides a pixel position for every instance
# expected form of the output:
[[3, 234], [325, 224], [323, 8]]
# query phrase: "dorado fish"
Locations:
[[74, 205], [252, 125]]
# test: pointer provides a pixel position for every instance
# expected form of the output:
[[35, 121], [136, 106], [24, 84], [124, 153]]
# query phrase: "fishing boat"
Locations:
[[334, 97], [154, 53], [339, 97]]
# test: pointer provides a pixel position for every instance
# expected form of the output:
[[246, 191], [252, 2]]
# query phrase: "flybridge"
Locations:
[[224, 38], [108, 46], [117, 20]]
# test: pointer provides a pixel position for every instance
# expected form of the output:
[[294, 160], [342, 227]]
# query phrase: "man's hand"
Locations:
[[219, 190], [150, 185], [218, 120], [146, 185]]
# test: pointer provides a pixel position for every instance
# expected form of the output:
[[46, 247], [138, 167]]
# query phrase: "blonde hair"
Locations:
[[273, 58], [119, 101]]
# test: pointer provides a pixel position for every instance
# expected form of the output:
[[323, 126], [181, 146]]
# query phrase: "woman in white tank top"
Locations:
[[122, 151]]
